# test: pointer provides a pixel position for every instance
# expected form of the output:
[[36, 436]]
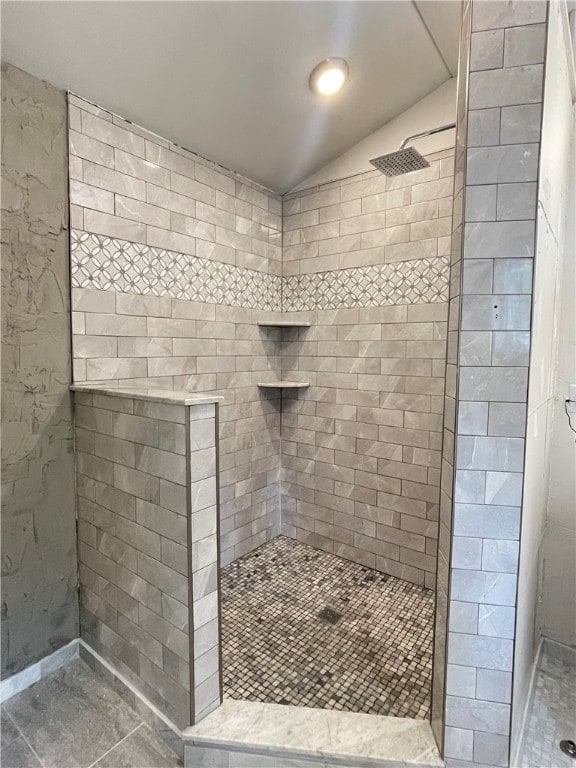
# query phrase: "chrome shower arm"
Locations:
[[427, 133]]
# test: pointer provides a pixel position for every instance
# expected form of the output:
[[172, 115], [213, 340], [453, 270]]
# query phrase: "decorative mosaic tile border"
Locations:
[[402, 282], [108, 264]]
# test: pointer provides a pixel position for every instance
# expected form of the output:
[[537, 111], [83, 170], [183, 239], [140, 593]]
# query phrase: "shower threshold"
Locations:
[[248, 733]]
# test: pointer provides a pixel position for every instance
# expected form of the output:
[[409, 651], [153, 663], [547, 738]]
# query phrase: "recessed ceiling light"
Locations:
[[329, 76]]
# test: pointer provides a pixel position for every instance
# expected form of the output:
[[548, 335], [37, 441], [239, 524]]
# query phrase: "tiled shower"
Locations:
[[187, 277], [301, 425], [174, 264]]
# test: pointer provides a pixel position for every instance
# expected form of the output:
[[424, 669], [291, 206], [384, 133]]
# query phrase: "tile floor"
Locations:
[[553, 711], [307, 628], [73, 719]]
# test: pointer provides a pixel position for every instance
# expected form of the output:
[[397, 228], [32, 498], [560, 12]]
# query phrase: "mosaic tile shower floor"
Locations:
[[307, 628], [552, 715]]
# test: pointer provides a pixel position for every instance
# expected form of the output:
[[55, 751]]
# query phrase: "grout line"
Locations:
[[21, 735], [127, 684], [36, 755], [116, 745], [7, 714]]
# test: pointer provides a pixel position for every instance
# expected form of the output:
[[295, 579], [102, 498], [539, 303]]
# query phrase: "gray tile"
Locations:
[[491, 749], [463, 617], [517, 201], [481, 587], [484, 127], [496, 313], [521, 124], [504, 488], [503, 13], [8, 731], [499, 239], [500, 555], [501, 384], [502, 165], [525, 45], [490, 453], [496, 621], [96, 718], [487, 521], [466, 553], [472, 714], [461, 681], [142, 749], [494, 685], [513, 276], [251, 760], [483, 652], [503, 87], [481, 203], [507, 419], [486, 50], [511, 348], [459, 743], [202, 757], [475, 348], [472, 418], [19, 755], [470, 486], [477, 276]]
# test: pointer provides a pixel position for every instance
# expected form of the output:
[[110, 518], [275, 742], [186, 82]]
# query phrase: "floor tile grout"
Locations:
[[107, 752], [7, 714], [36, 755]]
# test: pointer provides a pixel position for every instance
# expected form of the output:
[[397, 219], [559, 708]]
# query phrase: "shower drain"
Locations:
[[568, 747], [329, 615]]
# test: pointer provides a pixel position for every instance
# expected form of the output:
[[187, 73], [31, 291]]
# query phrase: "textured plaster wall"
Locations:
[[556, 610], [39, 595]]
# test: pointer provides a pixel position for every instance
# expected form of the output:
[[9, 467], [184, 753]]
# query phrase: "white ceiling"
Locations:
[[229, 79]]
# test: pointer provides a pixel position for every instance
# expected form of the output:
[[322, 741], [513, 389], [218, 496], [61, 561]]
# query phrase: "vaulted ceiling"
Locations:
[[229, 79]]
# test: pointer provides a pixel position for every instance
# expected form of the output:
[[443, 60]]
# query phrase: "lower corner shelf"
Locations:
[[283, 384]]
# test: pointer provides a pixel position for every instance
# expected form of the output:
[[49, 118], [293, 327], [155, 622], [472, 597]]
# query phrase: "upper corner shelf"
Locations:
[[282, 324], [283, 384]]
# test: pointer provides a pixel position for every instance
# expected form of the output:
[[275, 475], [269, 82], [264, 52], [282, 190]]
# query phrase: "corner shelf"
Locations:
[[283, 384], [282, 324]]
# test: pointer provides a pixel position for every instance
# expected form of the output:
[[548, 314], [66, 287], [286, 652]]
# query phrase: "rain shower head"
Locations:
[[406, 159], [398, 163]]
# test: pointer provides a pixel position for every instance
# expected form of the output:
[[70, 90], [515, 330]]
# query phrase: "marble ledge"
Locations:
[[283, 384], [305, 732], [157, 395], [283, 324]]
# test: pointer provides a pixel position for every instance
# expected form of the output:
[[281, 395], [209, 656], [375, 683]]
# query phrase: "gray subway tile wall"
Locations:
[[135, 527], [174, 261], [124, 577], [361, 449], [489, 354]]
